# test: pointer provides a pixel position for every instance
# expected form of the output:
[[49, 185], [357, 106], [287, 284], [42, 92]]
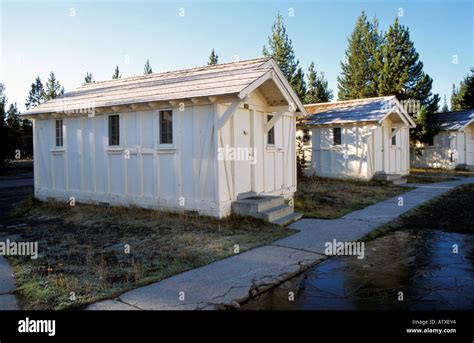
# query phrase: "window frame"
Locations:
[[169, 134], [271, 133], [337, 142], [109, 128], [59, 137]]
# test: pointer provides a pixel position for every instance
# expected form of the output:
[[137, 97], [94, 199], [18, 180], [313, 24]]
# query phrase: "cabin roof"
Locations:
[[453, 121], [354, 111], [237, 78]]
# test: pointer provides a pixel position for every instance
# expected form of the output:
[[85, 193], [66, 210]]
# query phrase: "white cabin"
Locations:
[[187, 140], [452, 147], [358, 138]]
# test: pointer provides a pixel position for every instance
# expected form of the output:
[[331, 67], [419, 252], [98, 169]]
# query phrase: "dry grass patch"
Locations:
[[84, 249], [333, 198]]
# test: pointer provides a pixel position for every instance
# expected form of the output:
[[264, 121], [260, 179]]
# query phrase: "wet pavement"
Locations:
[[422, 264]]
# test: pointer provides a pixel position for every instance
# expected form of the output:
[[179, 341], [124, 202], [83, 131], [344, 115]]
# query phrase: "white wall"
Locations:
[[154, 176]]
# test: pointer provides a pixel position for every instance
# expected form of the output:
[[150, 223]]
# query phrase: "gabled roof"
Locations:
[[453, 121], [238, 78], [355, 111]]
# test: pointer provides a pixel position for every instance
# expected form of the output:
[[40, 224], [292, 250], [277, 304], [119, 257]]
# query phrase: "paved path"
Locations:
[[7, 285], [232, 280]]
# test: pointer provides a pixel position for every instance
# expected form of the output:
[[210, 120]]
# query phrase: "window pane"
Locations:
[[114, 130], [59, 132], [166, 127], [271, 132], [394, 138], [337, 135]]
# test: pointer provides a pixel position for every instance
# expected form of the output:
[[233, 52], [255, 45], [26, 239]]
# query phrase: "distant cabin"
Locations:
[[358, 138], [188, 140], [452, 147]]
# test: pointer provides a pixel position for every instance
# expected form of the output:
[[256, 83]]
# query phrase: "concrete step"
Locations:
[[288, 219], [401, 181], [254, 204], [275, 213], [387, 177]]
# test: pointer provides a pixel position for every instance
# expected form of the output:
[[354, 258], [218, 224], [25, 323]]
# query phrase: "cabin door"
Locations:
[[243, 151], [470, 148], [395, 151]]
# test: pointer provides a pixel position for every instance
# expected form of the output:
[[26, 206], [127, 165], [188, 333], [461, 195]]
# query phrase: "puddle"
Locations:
[[421, 264]]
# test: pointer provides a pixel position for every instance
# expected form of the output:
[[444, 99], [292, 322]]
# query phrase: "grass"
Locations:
[[333, 198], [450, 212], [84, 249], [439, 172]]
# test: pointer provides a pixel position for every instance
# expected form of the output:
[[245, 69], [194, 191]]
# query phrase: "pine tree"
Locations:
[[36, 95], [359, 77], [280, 48], [3, 127], [463, 97], [445, 107], [53, 88], [88, 78], [14, 130], [402, 72], [213, 58], [147, 69], [317, 89], [116, 74]]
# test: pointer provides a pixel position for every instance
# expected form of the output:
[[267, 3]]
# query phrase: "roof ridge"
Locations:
[[215, 66], [455, 112], [349, 101]]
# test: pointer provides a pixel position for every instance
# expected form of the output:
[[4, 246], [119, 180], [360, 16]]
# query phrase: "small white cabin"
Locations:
[[452, 147], [187, 140], [358, 138]]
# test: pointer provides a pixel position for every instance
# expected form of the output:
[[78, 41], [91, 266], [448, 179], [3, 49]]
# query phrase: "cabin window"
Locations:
[[394, 137], [166, 127], [59, 133], [306, 136], [271, 132], [114, 130], [337, 138]]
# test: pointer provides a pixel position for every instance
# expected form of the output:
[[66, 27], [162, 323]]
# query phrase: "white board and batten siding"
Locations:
[[139, 171]]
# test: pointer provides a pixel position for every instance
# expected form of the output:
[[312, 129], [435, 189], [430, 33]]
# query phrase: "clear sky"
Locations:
[[72, 38]]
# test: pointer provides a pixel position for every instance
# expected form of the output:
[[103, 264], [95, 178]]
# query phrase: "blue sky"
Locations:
[[72, 38]]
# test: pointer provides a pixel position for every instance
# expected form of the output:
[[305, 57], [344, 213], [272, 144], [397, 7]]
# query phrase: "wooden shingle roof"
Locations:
[[453, 121], [222, 79], [353, 111]]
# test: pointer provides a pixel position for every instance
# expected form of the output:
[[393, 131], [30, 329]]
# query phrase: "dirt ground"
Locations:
[[88, 253]]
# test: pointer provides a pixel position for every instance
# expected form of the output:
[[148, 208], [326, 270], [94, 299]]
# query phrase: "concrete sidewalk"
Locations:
[[10, 183], [233, 280]]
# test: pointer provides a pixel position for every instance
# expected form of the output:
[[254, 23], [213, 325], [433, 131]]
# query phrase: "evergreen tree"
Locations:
[[280, 48], [463, 97], [213, 58], [3, 127], [53, 88], [402, 72], [13, 122], [317, 90], [147, 69], [36, 95], [359, 77], [445, 107], [88, 78], [116, 74]]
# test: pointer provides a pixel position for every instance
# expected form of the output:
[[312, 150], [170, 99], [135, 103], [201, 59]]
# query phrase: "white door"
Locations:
[[242, 150], [395, 151], [470, 148]]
